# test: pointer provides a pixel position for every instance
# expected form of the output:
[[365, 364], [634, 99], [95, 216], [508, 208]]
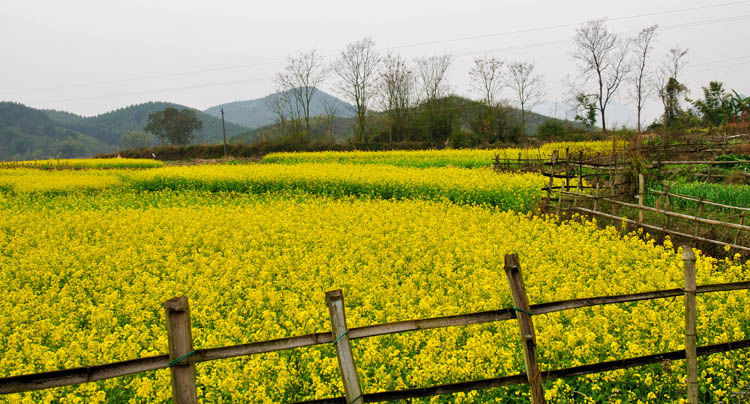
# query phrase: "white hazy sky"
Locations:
[[90, 57]]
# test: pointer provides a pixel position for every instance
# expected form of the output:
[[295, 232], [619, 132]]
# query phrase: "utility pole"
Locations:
[[224, 132]]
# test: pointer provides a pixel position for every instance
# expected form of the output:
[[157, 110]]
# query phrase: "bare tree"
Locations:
[[529, 88], [642, 77], [487, 79], [604, 56], [675, 61], [356, 69], [301, 78], [396, 85], [331, 108], [431, 71], [275, 103]]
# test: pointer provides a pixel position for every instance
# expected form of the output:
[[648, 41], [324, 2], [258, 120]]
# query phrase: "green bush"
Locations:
[[551, 129]]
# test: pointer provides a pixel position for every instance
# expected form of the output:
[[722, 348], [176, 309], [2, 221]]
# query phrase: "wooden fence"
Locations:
[[182, 356]]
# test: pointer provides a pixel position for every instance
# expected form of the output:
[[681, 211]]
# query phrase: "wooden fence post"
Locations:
[[352, 389], [551, 178], [690, 344], [641, 189], [742, 222], [525, 325], [180, 338]]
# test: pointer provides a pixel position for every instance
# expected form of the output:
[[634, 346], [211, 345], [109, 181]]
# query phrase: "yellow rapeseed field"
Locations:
[[83, 163], [519, 192], [465, 158], [84, 276]]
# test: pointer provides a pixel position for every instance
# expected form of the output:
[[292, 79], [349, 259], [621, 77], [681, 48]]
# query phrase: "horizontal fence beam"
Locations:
[[667, 212], [464, 387], [68, 377], [705, 201], [661, 229]]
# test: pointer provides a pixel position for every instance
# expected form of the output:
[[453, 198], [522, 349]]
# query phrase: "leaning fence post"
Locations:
[[335, 302], [690, 344], [525, 325], [180, 338]]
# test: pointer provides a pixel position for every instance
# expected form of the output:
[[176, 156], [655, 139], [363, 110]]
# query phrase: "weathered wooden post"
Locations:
[[525, 325], [181, 363], [352, 389], [742, 223], [551, 178], [641, 188], [690, 344]]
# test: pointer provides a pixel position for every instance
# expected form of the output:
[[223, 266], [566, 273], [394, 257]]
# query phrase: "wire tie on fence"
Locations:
[[521, 310], [339, 337], [178, 360]]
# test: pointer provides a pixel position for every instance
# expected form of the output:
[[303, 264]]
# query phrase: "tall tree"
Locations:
[[642, 88], [301, 78], [173, 126], [396, 85], [487, 79], [529, 88], [356, 69], [331, 107], [668, 86], [431, 71], [602, 55]]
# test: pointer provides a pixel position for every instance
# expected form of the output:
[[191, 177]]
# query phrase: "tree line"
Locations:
[[415, 102]]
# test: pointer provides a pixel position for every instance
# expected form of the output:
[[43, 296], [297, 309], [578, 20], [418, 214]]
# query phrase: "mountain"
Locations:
[[255, 113], [28, 133], [108, 127]]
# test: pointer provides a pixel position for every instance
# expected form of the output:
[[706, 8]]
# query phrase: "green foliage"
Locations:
[[673, 115], [135, 140], [173, 126], [551, 129], [716, 107], [586, 110]]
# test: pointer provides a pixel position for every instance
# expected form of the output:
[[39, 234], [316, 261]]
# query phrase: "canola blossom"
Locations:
[[84, 163], [85, 275], [464, 158], [519, 192]]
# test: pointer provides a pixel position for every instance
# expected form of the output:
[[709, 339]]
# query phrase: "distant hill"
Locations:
[[28, 133], [108, 127], [344, 126], [255, 113]]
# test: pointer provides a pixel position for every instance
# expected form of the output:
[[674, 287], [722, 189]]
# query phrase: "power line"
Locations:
[[267, 63], [551, 27], [486, 51]]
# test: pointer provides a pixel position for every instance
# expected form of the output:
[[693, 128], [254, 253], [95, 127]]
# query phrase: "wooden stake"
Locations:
[[551, 178], [641, 188], [352, 389], [690, 341], [742, 223], [700, 214], [526, 326], [180, 338]]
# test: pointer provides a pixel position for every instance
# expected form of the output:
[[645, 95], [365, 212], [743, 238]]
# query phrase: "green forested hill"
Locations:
[[108, 127], [28, 133]]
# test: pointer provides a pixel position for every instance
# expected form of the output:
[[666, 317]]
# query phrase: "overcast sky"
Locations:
[[89, 57]]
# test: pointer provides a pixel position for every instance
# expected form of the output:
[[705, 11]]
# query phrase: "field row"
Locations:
[[464, 158], [519, 192], [85, 286]]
